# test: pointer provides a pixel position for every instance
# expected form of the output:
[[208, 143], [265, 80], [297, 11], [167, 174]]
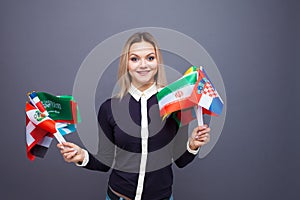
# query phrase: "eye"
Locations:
[[134, 59], [151, 58]]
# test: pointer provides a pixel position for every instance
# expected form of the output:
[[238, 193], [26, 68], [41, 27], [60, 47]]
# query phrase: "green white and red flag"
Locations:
[[193, 89]]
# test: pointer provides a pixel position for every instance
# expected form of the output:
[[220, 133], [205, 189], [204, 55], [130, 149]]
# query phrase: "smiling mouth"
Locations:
[[143, 73]]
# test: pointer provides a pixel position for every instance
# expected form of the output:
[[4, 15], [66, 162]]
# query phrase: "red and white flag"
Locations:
[[39, 132]]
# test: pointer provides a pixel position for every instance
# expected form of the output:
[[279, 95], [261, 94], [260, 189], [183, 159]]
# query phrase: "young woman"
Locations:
[[134, 141]]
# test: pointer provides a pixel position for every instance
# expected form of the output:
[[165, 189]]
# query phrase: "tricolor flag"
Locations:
[[193, 89], [48, 116]]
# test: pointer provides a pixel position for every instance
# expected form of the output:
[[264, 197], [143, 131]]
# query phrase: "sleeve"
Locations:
[[103, 160], [183, 155], [85, 160], [195, 152]]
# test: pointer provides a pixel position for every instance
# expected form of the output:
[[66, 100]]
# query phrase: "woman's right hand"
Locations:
[[71, 152]]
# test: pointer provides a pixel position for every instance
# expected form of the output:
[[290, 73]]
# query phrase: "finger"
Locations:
[[204, 137], [199, 144], [69, 144], [204, 126], [203, 131], [205, 140], [197, 130], [70, 155], [200, 137], [67, 150], [200, 130], [66, 147], [60, 146]]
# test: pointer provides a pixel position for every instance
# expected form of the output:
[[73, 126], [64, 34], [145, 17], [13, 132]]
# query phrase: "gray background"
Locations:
[[255, 45]]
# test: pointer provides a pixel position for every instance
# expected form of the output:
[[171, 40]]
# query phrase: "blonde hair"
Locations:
[[124, 78]]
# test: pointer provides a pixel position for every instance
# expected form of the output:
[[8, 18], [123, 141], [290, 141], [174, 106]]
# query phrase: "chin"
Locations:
[[144, 81]]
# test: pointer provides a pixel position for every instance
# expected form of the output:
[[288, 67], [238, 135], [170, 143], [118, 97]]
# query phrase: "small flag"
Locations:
[[176, 96], [205, 95], [47, 117]]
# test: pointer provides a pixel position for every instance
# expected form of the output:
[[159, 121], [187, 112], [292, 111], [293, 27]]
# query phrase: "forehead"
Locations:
[[141, 48]]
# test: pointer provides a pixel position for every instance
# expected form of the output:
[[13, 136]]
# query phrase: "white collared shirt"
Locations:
[[143, 96]]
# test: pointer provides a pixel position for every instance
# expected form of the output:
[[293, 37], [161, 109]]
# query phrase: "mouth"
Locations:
[[143, 73]]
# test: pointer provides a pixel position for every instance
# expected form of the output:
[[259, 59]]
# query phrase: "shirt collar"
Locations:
[[137, 94]]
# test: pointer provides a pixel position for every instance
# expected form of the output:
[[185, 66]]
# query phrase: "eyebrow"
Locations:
[[133, 54]]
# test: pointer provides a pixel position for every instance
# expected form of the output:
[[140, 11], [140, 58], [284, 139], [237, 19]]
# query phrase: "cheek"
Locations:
[[155, 68], [153, 65], [132, 66]]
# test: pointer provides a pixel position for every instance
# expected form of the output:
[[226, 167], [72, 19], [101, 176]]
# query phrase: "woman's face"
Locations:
[[142, 64]]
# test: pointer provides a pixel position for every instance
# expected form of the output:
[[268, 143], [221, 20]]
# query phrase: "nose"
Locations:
[[143, 63]]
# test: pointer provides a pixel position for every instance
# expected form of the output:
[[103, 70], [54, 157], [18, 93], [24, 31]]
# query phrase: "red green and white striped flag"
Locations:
[[193, 89]]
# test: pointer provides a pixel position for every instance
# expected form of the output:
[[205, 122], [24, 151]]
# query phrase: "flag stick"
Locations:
[[198, 111], [59, 137]]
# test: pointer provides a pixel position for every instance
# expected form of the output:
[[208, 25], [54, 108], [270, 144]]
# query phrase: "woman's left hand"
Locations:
[[199, 137]]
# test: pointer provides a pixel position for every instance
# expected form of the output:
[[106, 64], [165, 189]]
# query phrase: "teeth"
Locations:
[[143, 72]]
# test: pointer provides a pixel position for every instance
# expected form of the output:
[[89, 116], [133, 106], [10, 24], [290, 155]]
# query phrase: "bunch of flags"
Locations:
[[192, 90], [48, 116]]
